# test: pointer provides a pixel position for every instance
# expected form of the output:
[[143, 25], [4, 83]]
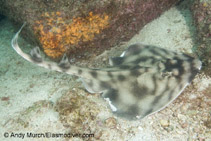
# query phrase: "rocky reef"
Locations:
[[82, 29], [201, 10]]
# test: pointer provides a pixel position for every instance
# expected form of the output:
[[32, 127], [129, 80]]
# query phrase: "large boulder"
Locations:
[[81, 28], [201, 10]]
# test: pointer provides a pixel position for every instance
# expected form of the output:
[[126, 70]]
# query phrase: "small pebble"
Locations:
[[111, 122], [98, 134], [170, 128], [5, 98], [208, 123], [164, 123], [184, 125], [192, 112], [181, 117]]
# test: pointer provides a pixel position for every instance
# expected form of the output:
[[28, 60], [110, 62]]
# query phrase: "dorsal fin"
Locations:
[[64, 63], [115, 61], [35, 54], [143, 55], [135, 54], [132, 50]]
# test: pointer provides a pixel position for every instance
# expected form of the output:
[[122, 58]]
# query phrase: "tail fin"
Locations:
[[36, 58]]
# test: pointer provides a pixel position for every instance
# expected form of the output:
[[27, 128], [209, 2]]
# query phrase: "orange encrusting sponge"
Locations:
[[57, 34]]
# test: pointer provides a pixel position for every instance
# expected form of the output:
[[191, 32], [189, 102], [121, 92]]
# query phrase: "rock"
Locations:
[[82, 29], [164, 123], [192, 112], [111, 122], [201, 15], [184, 125], [208, 123], [181, 117], [98, 134]]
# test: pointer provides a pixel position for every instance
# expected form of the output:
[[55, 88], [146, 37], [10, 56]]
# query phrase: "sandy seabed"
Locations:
[[31, 97]]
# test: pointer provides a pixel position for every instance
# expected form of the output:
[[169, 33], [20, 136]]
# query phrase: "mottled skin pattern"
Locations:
[[140, 82]]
